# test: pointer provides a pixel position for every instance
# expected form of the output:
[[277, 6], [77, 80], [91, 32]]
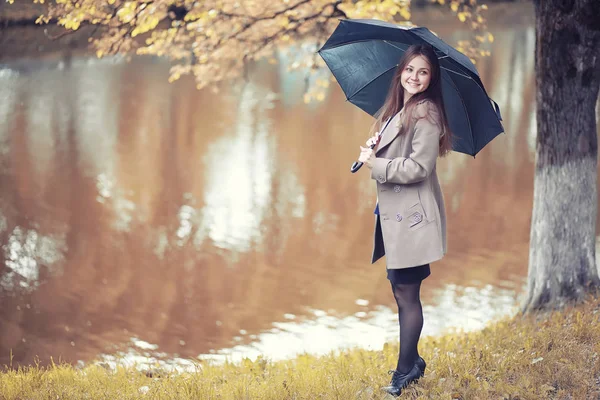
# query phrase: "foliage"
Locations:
[[468, 11], [215, 39], [548, 356]]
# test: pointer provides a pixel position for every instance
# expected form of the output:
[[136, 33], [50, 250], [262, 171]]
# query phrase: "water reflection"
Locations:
[[240, 172], [469, 308], [147, 221]]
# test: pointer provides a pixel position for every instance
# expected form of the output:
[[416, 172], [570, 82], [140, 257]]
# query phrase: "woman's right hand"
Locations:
[[372, 141]]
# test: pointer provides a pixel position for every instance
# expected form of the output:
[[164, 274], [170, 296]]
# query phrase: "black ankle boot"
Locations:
[[422, 365], [400, 381]]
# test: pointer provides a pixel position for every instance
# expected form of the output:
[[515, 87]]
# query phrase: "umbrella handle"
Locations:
[[356, 166]]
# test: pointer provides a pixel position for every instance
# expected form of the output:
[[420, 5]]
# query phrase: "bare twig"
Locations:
[[291, 30], [266, 17]]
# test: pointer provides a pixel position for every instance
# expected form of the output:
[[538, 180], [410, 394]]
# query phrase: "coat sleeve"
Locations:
[[425, 148]]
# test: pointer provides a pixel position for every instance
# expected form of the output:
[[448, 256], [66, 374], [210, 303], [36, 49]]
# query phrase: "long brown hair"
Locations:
[[394, 102]]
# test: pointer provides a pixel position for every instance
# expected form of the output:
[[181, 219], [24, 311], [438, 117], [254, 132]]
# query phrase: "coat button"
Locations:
[[398, 217], [417, 217], [397, 188], [380, 178]]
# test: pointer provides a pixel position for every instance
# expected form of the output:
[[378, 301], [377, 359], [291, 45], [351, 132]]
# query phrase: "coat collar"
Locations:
[[390, 132]]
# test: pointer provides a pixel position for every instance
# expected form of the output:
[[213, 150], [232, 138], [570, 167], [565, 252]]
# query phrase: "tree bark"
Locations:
[[562, 265]]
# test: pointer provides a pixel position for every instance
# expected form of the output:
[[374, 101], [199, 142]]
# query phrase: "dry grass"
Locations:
[[555, 357]]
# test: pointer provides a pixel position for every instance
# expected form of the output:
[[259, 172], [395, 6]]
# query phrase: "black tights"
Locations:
[[410, 318]]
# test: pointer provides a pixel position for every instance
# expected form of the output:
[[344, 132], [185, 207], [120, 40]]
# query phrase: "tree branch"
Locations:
[[266, 41], [68, 32], [337, 12], [267, 17], [132, 26], [281, 32]]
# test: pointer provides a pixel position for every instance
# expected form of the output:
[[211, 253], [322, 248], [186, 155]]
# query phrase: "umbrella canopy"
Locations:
[[363, 55]]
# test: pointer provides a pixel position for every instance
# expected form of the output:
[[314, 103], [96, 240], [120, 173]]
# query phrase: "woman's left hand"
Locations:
[[367, 156]]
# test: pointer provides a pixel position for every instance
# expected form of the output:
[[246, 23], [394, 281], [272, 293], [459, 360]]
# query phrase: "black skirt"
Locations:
[[408, 275]]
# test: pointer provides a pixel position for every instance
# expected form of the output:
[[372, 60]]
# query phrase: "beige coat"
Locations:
[[411, 227]]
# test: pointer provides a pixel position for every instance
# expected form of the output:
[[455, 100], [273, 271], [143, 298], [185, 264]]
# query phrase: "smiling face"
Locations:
[[416, 76]]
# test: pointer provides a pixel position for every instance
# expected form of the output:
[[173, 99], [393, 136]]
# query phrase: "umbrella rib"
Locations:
[[371, 81], [346, 43], [462, 75], [457, 73], [393, 45], [401, 49]]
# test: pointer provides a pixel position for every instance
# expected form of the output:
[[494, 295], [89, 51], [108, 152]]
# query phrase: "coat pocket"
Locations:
[[415, 217]]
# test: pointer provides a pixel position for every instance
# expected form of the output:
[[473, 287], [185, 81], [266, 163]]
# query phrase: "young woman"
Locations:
[[410, 228]]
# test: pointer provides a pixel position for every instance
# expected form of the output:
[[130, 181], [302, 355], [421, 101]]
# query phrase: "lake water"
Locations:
[[143, 221]]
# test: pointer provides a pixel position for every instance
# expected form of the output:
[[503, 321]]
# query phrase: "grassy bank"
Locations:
[[555, 357]]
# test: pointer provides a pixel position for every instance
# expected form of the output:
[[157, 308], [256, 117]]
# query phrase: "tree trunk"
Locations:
[[562, 265]]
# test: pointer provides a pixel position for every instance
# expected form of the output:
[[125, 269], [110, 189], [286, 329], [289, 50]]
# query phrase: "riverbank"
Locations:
[[551, 356]]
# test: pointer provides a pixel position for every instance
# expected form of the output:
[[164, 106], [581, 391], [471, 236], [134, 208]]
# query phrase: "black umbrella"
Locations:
[[363, 55]]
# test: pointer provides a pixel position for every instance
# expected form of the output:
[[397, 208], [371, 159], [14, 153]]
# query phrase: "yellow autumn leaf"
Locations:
[[74, 25], [145, 25], [454, 6], [193, 16], [490, 38], [462, 17], [322, 83], [174, 77], [284, 22]]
